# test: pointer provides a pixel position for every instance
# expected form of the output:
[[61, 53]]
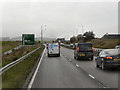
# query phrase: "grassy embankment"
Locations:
[[105, 43], [7, 45], [16, 76], [102, 43], [6, 59]]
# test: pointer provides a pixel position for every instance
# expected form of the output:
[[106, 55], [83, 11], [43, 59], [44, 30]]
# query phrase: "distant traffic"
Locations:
[[106, 57]]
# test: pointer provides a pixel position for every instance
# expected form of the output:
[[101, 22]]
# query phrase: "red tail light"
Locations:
[[77, 48], [92, 48], [108, 57]]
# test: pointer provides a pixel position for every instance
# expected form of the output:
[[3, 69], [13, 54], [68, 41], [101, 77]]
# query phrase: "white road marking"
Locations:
[[91, 76], [106, 87], [77, 65], [33, 77], [70, 60]]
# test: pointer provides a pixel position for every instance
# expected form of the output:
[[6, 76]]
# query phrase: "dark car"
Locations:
[[108, 58], [83, 51]]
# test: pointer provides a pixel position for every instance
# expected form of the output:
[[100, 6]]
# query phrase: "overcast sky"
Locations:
[[62, 19]]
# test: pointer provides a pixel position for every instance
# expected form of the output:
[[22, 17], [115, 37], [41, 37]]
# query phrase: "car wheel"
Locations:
[[58, 55], [77, 58], [48, 55], [74, 57], [91, 58], [97, 64], [103, 67]]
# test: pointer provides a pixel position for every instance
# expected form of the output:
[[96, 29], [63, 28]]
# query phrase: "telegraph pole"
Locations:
[[82, 30], [42, 27], [76, 31], [41, 33]]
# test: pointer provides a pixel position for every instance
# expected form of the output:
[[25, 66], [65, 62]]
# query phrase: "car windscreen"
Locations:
[[113, 52], [85, 47]]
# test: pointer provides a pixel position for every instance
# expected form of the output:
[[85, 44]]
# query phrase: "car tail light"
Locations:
[[108, 57], [92, 48], [77, 48]]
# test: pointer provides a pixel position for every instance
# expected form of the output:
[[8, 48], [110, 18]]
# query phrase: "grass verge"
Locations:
[[7, 45], [16, 76], [6, 59]]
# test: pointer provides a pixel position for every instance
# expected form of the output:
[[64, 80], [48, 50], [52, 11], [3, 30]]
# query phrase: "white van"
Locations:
[[53, 49]]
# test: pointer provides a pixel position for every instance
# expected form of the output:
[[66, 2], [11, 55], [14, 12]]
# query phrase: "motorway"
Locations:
[[66, 72]]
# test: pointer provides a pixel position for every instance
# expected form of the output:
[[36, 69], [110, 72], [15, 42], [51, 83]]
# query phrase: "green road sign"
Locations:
[[28, 39]]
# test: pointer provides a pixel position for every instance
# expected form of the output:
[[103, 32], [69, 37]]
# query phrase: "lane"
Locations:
[[57, 72], [108, 78]]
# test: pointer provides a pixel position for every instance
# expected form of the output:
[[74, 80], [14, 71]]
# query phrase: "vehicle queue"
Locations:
[[105, 59]]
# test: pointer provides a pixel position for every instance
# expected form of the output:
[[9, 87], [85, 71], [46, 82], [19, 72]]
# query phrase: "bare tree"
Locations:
[[89, 35], [73, 39]]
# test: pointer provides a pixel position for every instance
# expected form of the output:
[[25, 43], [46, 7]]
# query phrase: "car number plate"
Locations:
[[82, 54], [117, 59]]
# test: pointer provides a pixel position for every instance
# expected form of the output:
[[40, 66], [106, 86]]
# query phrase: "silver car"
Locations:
[[117, 47]]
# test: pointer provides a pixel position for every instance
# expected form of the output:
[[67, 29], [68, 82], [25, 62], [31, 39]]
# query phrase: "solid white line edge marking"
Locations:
[[33, 77], [91, 76]]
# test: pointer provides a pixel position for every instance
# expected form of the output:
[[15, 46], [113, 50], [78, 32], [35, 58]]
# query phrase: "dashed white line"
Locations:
[[88, 74], [70, 60], [106, 87], [91, 76], [77, 65], [33, 77]]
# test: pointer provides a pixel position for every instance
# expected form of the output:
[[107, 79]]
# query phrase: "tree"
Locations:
[[89, 35], [73, 39], [79, 37]]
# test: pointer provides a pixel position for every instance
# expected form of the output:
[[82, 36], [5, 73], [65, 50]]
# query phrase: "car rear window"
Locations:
[[55, 45], [113, 52], [52, 45], [85, 47]]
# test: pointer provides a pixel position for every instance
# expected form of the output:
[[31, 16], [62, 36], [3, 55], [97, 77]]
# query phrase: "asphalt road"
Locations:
[[59, 72], [108, 78]]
